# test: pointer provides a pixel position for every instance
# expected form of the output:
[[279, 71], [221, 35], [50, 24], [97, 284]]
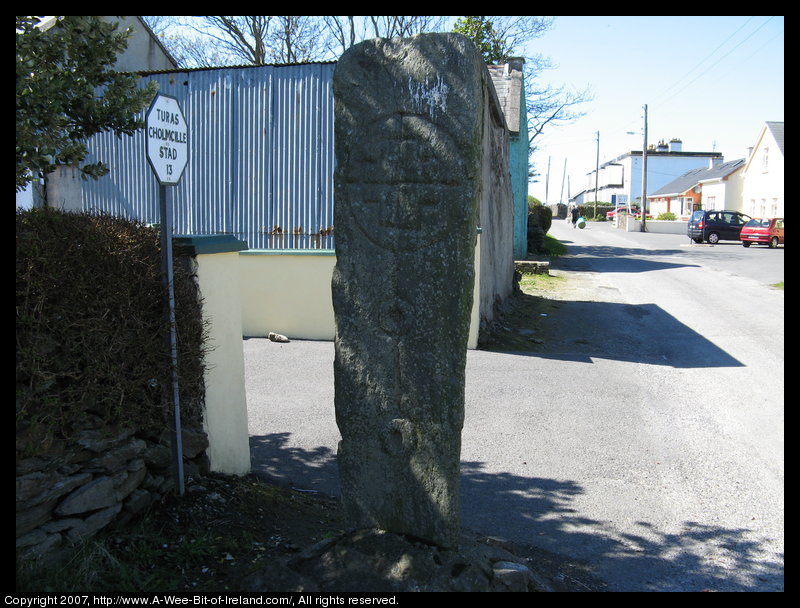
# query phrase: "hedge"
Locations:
[[91, 331]]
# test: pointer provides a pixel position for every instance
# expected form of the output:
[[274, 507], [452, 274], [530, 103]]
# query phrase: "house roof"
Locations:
[[691, 178], [47, 22], [776, 130]]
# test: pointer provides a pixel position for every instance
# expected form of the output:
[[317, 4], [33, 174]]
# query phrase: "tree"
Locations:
[[67, 92], [208, 41], [500, 38], [343, 33], [385, 26], [256, 40], [243, 37], [297, 39], [482, 33], [190, 48]]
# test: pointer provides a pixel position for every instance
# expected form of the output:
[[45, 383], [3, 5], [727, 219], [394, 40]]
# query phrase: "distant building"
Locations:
[[715, 187], [620, 179]]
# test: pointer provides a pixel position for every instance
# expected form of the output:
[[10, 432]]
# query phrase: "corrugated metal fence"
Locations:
[[261, 158]]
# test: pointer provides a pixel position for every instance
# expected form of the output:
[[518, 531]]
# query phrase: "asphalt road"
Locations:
[[644, 437]]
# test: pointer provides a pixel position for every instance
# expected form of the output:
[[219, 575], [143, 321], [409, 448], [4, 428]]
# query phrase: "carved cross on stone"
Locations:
[[408, 129]]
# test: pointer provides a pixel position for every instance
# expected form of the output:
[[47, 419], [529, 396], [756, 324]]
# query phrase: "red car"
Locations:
[[612, 214], [766, 231]]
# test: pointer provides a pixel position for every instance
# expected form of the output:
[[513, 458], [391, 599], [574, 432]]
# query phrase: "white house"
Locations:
[[620, 179], [762, 191]]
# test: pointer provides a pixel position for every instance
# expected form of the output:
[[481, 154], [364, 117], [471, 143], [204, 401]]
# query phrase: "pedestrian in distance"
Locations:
[[575, 216]]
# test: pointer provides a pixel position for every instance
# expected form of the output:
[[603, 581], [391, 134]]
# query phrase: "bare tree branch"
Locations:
[[552, 106], [390, 26], [297, 39], [288, 39], [342, 31], [243, 37]]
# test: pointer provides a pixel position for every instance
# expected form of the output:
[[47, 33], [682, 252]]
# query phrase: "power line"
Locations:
[[664, 100], [702, 61]]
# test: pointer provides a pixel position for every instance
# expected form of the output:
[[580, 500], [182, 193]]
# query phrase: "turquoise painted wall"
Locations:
[[518, 161]]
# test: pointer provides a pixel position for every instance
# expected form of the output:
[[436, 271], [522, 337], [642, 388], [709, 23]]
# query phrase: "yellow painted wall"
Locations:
[[225, 417], [289, 292]]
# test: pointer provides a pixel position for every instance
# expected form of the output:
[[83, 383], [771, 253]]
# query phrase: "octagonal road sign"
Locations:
[[167, 139]]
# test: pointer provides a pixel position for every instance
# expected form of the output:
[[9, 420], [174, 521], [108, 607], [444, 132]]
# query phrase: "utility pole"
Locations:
[[563, 177], [547, 184], [644, 172], [596, 173]]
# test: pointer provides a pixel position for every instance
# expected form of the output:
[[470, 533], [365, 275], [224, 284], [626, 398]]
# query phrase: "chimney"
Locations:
[[675, 145], [515, 63]]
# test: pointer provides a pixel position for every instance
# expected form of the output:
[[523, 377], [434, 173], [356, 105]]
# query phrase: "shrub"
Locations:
[[588, 210], [669, 216], [543, 216], [91, 333]]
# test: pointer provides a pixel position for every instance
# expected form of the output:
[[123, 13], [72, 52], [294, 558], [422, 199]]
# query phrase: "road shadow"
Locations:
[[700, 557], [602, 258], [513, 506], [274, 459], [582, 331]]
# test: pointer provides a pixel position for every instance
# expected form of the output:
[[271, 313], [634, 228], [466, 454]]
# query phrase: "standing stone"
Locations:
[[408, 127]]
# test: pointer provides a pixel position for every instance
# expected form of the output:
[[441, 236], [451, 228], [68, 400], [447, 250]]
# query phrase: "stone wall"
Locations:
[[70, 491], [496, 209]]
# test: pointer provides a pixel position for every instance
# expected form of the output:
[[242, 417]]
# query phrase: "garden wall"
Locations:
[[289, 292], [69, 491], [657, 226]]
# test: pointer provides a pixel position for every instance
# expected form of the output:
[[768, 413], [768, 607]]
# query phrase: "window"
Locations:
[[765, 160]]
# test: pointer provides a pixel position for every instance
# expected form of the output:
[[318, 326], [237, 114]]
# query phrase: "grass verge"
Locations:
[[521, 329]]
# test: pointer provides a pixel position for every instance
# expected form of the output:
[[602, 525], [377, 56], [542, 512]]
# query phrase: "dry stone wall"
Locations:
[[70, 491]]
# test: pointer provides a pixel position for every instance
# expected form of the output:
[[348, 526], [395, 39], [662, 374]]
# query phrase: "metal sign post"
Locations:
[[168, 152]]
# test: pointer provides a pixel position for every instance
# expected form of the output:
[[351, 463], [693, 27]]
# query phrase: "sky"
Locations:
[[711, 82]]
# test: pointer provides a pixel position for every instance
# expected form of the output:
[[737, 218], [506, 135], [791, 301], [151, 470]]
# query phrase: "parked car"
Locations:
[[765, 231], [621, 209], [715, 226]]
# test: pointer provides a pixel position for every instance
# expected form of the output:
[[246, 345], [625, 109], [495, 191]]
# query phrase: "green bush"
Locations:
[[669, 216], [543, 216], [91, 332], [588, 211]]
